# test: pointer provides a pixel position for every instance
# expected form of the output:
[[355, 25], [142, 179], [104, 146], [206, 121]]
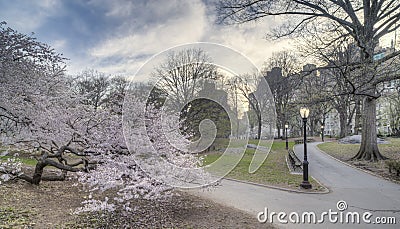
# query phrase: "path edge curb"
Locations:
[[327, 190], [353, 166]]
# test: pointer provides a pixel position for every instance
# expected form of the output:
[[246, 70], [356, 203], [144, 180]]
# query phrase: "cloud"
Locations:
[[118, 36], [27, 16], [156, 28], [250, 40], [161, 26], [58, 44]]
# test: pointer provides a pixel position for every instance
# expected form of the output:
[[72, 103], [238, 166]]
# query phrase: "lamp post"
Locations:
[[304, 112], [287, 144], [322, 132], [330, 133]]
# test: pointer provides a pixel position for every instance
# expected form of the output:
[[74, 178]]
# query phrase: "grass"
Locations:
[[25, 161], [273, 171], [23, 157], [28, 161]]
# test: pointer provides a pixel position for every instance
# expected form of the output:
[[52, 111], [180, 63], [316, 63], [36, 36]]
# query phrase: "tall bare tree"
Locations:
[[254, 91], [234, 99], [364, 21], [311, 93], [247, 86], [182, 75], [94, 85], [394, 112], [281, 74], [338, 76]]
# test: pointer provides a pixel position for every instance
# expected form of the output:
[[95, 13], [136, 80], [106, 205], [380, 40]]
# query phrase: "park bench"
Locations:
[[300, 141], [294, 161], [393, 166]]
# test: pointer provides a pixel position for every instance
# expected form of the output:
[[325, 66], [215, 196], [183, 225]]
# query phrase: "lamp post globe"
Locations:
[[304, 113], [322, 132]]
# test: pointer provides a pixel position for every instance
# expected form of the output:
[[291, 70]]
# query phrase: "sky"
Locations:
[[118, 36]]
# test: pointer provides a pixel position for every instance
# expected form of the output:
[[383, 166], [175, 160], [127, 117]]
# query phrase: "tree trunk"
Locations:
[[343, 124], [37, 176], [312, 127], [237, 127], [259, 127], [369, 147], [279, 130], [357, 119], [271, 132]]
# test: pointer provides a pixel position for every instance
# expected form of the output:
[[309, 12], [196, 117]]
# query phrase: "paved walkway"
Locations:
[[361, 191]]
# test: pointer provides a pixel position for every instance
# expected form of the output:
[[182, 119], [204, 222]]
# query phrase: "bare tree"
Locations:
[[311, 93], [117, 91], [94, 86], [364, 21], [234, 99], [246, 88], [182, 75], [255, 92], [338, 78], [281, 74], [394, 113]]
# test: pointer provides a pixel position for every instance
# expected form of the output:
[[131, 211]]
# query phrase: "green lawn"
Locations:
[[25, 161], [273, 171]]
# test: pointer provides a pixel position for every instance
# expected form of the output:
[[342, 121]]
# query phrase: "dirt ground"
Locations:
[[51, 205]]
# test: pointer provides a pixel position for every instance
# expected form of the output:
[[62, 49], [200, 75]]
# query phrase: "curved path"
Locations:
[[361, 191]]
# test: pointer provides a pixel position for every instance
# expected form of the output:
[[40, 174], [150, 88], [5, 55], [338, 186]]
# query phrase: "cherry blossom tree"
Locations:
[[43, 113]]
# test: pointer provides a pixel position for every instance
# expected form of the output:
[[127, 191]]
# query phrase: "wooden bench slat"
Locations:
[[293, 159]]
